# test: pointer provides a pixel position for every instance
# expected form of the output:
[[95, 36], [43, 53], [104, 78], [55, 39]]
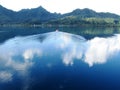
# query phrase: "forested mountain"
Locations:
[[35, 16], [42, 16], [29, 16], [87, 13], [6, 15]]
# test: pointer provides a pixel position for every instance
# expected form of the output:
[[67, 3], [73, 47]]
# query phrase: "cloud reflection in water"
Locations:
[[19, 53], [5, 76], [100, 49]]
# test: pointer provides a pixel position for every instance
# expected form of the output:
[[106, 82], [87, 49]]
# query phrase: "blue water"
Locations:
[[59, 60]]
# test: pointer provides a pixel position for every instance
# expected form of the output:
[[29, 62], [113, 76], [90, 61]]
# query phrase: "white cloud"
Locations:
[[100, 49], [30, 53], [95, 51], [75, 51], [64, 40], [20, 4], [5, 76], [18, 55], [64, 5], [69, 56]]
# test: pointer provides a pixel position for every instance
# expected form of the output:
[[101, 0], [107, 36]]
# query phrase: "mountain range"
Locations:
[[40, 15]]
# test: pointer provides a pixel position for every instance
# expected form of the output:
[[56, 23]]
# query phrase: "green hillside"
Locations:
[[40, 16]]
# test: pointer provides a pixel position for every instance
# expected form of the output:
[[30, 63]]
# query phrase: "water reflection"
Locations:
[[18, 56], [100, 49], [5, 76]]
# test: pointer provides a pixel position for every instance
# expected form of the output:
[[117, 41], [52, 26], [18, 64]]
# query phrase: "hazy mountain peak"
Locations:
[[40, 7], [81, 11], [2, 8], [76, 10]]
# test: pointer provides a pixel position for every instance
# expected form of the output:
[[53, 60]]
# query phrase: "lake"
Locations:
[[69, 58]]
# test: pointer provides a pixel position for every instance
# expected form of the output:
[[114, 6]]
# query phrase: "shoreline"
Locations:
[[60, 25]]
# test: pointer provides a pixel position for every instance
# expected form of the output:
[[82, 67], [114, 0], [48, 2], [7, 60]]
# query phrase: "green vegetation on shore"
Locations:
[[40, 17]]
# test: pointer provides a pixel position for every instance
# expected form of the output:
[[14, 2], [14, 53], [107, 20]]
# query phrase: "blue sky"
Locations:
[[63, 6]]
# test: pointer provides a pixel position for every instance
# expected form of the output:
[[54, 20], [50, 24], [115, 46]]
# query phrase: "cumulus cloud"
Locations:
[[66, 39], [75, 51], [95, 51], [100, 49], [20, 51], [72, 46], [29, 53], [5, 76], [17, 54]]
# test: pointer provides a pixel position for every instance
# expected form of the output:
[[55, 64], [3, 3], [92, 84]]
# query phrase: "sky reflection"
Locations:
[[101, 49], [5, 76], [18, 54]]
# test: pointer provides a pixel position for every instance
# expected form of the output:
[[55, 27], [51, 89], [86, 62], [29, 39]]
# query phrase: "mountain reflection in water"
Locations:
[[23, 59]]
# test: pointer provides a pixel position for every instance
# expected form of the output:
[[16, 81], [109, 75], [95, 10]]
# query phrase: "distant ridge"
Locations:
[[40, 16], [90, 13]]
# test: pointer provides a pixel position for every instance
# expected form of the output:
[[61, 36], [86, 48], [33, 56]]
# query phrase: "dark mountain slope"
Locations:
[[42, 16]]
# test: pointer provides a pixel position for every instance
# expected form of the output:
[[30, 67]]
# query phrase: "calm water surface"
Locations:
[[68, 59]]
